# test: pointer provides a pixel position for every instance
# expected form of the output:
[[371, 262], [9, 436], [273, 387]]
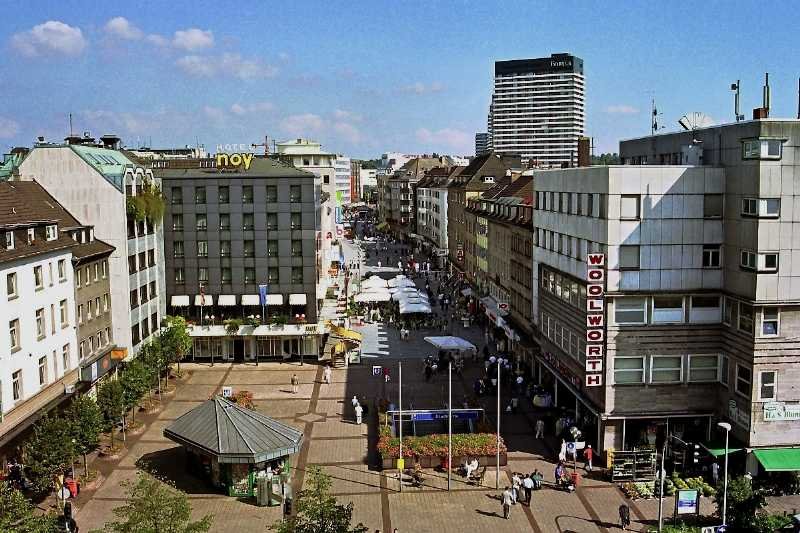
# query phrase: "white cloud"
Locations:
[[341, 114], [8, 128], [157, 40], [421, 88], [303, 124], [214, 113], [451, 138], [257, 107], [122, 28], [131, 123], [237, 109], [226, 65], [193, 39], [51, 38], [621, 109], [348, 132]]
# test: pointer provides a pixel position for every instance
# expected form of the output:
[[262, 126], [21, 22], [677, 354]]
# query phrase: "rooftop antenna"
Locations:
[[735, 87], [798, 98], [654, 127], [766, 96], [70, 124]]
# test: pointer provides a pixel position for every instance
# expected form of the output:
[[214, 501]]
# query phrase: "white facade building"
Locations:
[[538, 109], [342, 171], [94, 184]]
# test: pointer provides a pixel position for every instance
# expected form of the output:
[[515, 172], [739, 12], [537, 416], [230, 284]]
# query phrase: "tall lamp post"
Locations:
[[727, 427]]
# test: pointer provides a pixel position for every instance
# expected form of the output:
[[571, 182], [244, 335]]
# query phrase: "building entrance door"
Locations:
[[238, 351]]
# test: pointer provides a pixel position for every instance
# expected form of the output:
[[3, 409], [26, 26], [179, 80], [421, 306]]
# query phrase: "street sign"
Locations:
[[227, 392], [376, 370]]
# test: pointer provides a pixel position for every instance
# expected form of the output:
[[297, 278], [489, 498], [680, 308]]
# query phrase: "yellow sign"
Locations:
[[234, 160], [401, 463]]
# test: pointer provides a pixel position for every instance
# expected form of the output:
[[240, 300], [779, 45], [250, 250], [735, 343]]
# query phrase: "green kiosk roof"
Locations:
[[779, 459]]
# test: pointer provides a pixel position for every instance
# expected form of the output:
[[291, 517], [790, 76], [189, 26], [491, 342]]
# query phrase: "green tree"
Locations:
[[110, 400], [49, 452], [154, 507], [606, 159], [744, 504], [318, 511], [86, 422], [17, 513], [135, 381], [174, 339]]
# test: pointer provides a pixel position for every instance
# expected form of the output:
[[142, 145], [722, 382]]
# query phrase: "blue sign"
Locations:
[[262, 294], [442, 415]]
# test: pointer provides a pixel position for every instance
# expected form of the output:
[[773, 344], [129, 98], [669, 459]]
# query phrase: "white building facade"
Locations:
[[342, 172]]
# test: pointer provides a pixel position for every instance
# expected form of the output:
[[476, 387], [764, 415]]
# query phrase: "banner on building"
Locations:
[[595, 319]]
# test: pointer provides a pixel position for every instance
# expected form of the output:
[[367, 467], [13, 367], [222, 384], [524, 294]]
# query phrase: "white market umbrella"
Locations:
[[450, 343], [374, 282], [408, 308], [372, 297], [402, 282]]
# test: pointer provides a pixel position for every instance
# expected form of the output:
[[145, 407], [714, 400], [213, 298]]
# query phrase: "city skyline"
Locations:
[[372, 79]]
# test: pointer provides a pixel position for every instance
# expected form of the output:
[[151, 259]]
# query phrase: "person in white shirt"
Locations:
[[359, 412], [471, 467], [527, 485], [506, 499], [516, 483], [326, 375]]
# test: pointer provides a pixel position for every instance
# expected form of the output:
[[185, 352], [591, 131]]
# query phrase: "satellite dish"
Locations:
[[695, 120]]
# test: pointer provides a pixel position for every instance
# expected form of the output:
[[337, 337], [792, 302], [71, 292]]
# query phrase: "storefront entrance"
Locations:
[[238, 350]]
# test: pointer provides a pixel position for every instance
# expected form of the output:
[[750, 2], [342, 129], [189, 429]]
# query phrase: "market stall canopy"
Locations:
[[234, 434], [203, 299], [401, 282], [779, 459], [274, 299], [226, 300], [408, 308], [373, 282], [413, 294], [180, 300], [373, 297], [251, 299], [450, 343]]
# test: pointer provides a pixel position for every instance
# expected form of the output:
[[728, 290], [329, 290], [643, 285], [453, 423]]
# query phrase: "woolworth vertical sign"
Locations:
[[595, 319]]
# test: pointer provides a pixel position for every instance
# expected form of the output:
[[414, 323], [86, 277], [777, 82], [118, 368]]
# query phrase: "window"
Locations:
[[297, 274], [9, 240], [143, 290], [202, 248], [297, 248], [11, 285], [142, 261], [247, 221], [745, 317], [96, 272], [224, 221], [80, 314], [272, 248], [42, 370], [180, 276], [224, 248], [199, 195], [65, 358], [629, 257], [105, 302], [226, 275], [134, 296], [135, 334], [177, 195], [744, 380], [273, 276], [296, 221], [78, 277], [769, 322], [272, 221], [249, 248], [767, 385], [31, 235], [151, 258], [224, 194], [201, 222], [249, 275], [731, 312], [761, 207], [724, 370], [13, 334], [628, 370], [16, 385], [326, 179], [62, 270], [202, 274], [711, 256], [40, 325], [177, 249], [666, 369], [154, 322], [63, 313], [89, 307], [667, 309], [272, 193], [705, 309], [247, 194], [295, 193], [703, 368], [104, 268], [712, 206], [131, 265], [629, 207], [762, 149], [760, 262], [51, 232], [38, 277], [630, 310]]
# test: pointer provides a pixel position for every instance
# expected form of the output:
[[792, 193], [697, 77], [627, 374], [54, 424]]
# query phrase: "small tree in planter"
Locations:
[[135, 381], [175, 340], [49, 452], [86, 423], [111, 402]]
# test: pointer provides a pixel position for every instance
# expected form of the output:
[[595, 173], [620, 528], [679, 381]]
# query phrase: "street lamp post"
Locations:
[[727, 427]]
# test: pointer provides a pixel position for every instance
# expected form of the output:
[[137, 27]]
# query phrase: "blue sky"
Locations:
[[364, 78]]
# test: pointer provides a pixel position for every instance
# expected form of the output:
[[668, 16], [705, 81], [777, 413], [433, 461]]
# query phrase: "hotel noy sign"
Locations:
[[595, 319]]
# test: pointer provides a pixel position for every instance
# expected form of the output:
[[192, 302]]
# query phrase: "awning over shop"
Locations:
[[226, 300], [451, 343], [297, 299], [250, 299], [180, 300], [716, 447], [779, 459], [275, 299], [234, 434], [203, 299]]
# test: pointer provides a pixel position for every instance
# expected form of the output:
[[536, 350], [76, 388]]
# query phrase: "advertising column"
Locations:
[[595, 319]]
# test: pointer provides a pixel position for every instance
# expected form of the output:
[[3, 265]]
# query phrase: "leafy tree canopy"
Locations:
[[17, 513]]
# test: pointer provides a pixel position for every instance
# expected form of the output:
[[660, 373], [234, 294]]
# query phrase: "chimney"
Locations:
[[584, 144], [760, 112]]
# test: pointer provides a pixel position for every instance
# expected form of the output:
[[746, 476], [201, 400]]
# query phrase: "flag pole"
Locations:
[[497, 473], [449, 422], [400, 408]]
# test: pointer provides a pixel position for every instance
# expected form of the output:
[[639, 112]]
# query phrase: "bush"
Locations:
[[744, 504], [464, 444]]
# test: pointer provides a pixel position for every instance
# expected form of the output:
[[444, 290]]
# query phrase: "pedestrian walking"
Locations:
[[359, 413], [516, 483], [506, 499], [588, 454], [624, 516], [715, 473], [562, 454], [295, 383], [326, 375], [354, 401], [540, 429], [527, 485]]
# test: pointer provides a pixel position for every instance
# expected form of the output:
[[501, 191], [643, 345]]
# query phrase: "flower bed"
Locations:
[[431, 449]]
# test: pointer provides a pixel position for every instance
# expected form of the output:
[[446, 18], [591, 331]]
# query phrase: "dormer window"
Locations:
[[488, 179], [9, 240], [31, 235], [52, 232]]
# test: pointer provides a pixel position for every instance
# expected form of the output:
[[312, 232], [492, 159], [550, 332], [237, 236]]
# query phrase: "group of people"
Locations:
[[358, 409], [521, 490]]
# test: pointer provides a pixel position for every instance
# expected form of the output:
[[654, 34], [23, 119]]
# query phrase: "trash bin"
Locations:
[[576, 479]]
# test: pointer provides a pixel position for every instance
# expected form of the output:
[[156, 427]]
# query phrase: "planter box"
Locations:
[[427, 461]]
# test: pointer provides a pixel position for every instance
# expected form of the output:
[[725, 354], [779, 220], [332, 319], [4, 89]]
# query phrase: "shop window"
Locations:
[[703, 368], [767, 385], [745, 318], [744, 380], [769, 322], [628, 370], [629, 207], [630, 311], [667, 309], [705, 309], [629, 257], [666, 369]]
